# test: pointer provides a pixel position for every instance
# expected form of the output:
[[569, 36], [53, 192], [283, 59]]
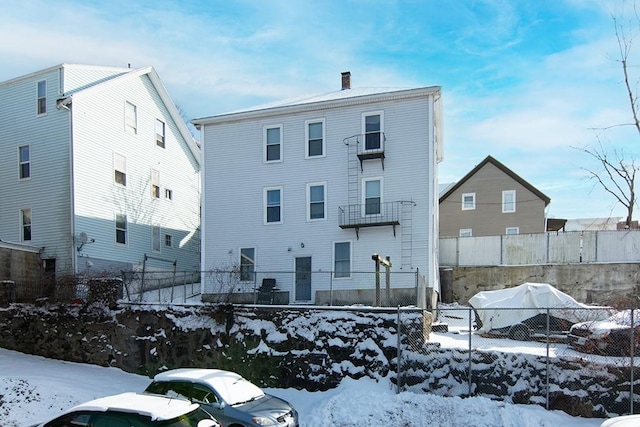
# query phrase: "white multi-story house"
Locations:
[[98, 169], [307, 191]]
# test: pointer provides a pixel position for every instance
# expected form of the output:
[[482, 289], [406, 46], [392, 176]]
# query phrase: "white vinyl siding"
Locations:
[[468, 201], [509, 201]]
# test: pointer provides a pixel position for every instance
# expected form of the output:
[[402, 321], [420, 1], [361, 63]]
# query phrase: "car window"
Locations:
[[177, 389], [188, 420], [203, 394], [71, 420], [110, 420]]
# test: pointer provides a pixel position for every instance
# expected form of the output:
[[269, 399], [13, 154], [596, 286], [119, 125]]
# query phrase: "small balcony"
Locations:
[[369, 215]]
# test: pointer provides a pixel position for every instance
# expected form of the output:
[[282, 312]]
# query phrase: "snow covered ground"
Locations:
[[34, 389]]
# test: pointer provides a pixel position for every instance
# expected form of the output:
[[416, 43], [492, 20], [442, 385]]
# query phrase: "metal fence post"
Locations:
[[548, 361], [631, 352], [399, 354], [469, 375]]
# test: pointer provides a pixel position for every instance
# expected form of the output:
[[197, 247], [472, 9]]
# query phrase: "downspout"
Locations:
[[65, 103]]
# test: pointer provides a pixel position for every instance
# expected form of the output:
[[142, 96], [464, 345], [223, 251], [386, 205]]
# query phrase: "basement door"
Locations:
[[303, 278]]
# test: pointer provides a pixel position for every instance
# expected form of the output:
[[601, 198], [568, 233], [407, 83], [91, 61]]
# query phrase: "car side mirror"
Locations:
[[207, 423]]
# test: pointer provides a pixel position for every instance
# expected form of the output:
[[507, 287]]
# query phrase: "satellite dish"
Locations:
[[83, 237]]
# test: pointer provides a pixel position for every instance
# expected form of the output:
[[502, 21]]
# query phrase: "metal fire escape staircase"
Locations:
[[393, 213]]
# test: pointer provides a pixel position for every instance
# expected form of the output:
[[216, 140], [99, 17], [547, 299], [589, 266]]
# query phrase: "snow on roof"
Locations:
[[232, 387], [156, 407]]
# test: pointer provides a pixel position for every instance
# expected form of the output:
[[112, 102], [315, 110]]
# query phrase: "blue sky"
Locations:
[[523, 81]]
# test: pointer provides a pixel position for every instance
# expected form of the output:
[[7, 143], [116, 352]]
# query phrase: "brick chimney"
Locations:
[[346, 80]]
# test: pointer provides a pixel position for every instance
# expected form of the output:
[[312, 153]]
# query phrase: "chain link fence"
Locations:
[[582, 361]]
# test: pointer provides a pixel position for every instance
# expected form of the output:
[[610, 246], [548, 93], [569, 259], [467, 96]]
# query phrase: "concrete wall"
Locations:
[[589, 283]]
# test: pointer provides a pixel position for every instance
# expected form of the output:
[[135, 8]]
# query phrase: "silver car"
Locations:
[[233, 400]]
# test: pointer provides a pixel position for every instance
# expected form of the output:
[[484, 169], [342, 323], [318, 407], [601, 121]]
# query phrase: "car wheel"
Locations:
[[519, 332]]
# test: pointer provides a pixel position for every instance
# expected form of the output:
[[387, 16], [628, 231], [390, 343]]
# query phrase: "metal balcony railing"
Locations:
[[369, 215]]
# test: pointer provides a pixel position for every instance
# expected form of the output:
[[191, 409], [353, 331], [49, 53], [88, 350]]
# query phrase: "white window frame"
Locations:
[[473, 201], [130, 117], [512, 231], [348, 275], [322, 184], [168, 194], [121, 229], [160, 134], [26, 163], [466, 232], [168, 240], [266, 206], [252, 264], [26, 214], [41, 98], [364, 130], [506, 203], [119, 165], [307, 153], [155, 184], [156, 232], [365, 181], [265, 131]]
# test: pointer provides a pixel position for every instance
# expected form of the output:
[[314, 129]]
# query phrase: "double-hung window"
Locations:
[[468, 201], [247, 264], [342, 259], [155, 238], [42, 98], [120, 169], [155, 184], [372, 128], [130, 117], [508, 201], [273, 205], [24, 161], [168, 240], [160, 138], [121, 229], [314, 137], [272, 136], [316, 201], [372, 196], [25, 225]]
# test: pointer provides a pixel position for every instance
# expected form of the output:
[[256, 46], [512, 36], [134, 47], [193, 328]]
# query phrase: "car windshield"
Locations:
[[238, 390]]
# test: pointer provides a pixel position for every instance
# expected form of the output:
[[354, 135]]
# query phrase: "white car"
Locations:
[[134, 409], [623, 421], [233, 400]]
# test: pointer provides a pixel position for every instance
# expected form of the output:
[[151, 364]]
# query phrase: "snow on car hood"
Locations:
[[535, 298], [601, 328]]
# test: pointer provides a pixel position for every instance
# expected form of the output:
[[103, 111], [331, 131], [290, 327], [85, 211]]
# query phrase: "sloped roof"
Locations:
[[504, 169], [158, 85], [325, 100]]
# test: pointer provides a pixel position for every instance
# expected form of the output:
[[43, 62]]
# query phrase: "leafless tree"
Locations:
[[617, 173]]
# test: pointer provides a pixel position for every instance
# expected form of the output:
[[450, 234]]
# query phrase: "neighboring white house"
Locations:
[[98, 170], [306, 191]]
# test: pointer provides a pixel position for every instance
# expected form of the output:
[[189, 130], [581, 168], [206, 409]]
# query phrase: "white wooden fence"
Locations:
[[542, 248]]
